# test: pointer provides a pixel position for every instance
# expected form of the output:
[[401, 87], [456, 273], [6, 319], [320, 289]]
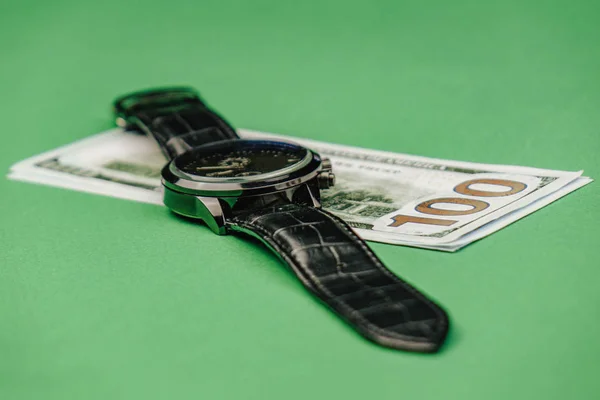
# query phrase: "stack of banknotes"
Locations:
[[386, 197]]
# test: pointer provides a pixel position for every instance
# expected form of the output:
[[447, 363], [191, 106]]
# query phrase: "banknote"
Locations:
[[386, 197]]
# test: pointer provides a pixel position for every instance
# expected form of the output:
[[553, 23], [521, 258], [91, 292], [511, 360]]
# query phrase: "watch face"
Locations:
[[241, 160]]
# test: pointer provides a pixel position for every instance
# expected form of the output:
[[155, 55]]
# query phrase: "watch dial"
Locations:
[[240, 159]]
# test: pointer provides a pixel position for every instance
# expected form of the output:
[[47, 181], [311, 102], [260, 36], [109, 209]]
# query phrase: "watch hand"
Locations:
[[220, 173], [219, 167]]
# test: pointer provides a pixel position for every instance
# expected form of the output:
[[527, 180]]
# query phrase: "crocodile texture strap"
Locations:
[[339, 268], [176, 118]]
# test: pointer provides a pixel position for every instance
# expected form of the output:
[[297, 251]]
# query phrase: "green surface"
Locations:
[[104, 298]]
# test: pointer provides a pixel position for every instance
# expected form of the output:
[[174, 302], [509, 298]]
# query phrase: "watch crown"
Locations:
[[326, 179], [326, 164]]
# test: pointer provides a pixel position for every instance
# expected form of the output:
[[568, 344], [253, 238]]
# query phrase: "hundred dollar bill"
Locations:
[[386, 197]]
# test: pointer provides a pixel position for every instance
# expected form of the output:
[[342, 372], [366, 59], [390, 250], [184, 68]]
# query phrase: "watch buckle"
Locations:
[[125, 106]]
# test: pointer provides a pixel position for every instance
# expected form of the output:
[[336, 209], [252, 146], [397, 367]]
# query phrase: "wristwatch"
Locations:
[[270, 190]]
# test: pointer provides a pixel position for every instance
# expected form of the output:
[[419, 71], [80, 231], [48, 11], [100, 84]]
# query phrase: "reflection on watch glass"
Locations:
[[240, 158]]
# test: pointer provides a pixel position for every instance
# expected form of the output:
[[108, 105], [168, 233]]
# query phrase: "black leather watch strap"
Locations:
[[339, 268], [175, 117]]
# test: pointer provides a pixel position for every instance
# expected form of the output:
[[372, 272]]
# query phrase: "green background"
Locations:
[[105, 298]]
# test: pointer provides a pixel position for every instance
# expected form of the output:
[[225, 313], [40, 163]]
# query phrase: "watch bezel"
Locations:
[[306, 169]]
